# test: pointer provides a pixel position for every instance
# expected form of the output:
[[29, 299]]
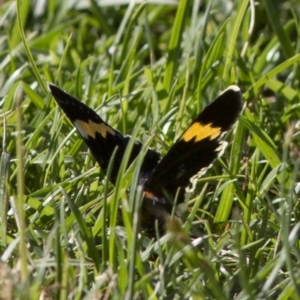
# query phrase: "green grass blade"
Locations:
[[86, 233], [274, 20], [225, 205], [175, 43], [233, 37], [29, 55]]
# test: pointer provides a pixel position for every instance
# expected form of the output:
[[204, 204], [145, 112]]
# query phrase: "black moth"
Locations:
[[165, 178]]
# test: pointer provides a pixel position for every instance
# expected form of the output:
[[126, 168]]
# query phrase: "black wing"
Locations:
[[196, 149], [101, 138]]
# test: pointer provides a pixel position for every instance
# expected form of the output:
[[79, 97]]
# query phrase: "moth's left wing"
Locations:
[[196, 149]]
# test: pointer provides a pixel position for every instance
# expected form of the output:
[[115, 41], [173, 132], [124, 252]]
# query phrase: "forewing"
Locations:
[[197, 148], [101, 138]]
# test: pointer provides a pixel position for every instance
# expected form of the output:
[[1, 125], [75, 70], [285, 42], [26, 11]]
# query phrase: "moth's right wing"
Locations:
[[100, 137]]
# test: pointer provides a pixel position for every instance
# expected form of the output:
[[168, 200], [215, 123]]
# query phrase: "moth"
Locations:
[[163, 179]]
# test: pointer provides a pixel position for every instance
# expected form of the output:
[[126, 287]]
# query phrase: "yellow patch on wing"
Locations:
[[90, 128], [200, 132]]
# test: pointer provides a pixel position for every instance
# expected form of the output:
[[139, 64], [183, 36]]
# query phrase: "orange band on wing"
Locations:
[[149, 195], [199, 132]]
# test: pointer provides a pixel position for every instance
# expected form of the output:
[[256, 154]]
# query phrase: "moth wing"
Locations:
[[196, 149], [100, 137]]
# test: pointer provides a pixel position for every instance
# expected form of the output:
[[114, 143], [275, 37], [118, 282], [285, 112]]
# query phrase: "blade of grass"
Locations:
[[224, 207], [275, 71], [20, 186], [233, 37], [4, 180], [274, 20], [214, 53], [85, 231], [29, 55], [175, 43]]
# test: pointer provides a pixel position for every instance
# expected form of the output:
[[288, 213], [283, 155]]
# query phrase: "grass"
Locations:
[[148, 70]]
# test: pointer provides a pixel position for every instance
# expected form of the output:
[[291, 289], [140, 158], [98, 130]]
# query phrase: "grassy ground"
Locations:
[[148, 70]]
